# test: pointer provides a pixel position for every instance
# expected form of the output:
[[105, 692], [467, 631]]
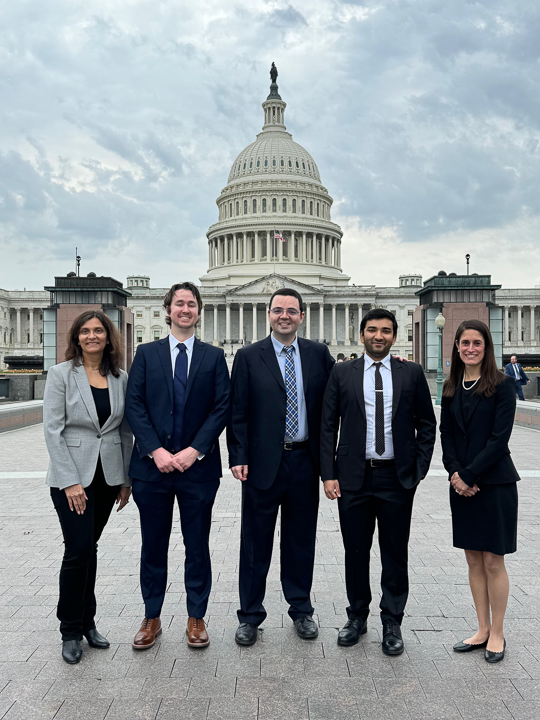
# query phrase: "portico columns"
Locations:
[[308, 321], [506, 324], [241, 319], [334, 334], [519, 308], [227, 321], [257, 246], [202, 324], [267, 320], [321, 321], [18, 325], [31, 330], [216, 341], [533, 338], [347, 339], [254, 338]]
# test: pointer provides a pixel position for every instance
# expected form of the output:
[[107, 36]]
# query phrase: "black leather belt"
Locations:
[[295, 445], [373, 462]]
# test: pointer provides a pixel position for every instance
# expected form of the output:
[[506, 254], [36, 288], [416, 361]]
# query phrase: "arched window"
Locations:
[[274, 162], [264, 205], [274, 205], [311, 207], [258, 163], [297, 165], [294, 205], [250, 164], [284, 205], [265, 162], [245, 207], [237, 208], [309, 167], [290, 163], [230, 209], [244, 166], [254, 205], [282, 162], [303, 207], [303, 164]]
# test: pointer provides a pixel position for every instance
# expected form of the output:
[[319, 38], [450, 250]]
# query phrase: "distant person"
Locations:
[[89, 444], [477, 417], [177, 403], [377, 436], [353, 356], [516, 372]]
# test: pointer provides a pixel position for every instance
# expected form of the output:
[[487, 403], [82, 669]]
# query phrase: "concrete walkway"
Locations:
[[281, 677]]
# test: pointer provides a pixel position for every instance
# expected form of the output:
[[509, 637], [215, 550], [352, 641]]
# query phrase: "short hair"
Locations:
[[353, 356], [113, 352], [511, 356], [340, 356], [379, 314], [288, 292], [167, 300]]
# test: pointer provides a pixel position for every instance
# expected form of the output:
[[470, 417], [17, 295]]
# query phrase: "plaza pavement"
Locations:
[[281, 677]]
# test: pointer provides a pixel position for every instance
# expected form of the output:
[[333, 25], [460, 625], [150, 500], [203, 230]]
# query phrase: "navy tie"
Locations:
[[179, 389]]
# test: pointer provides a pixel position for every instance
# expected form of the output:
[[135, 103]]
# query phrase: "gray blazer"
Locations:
[[72, 433]]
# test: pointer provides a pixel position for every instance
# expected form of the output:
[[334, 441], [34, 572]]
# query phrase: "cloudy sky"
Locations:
[[120, 120]]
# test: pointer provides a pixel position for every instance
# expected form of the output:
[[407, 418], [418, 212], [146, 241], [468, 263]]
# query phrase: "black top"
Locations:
[[103, 404], [467, 400]]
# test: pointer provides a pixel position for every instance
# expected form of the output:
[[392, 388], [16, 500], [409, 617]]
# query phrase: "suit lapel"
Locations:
[[474, 404], [305, 358], [114, 385], [199, 348], [456, 407], [358, 382], [86, 394], [396, 367], [268, 354], [164, 353]]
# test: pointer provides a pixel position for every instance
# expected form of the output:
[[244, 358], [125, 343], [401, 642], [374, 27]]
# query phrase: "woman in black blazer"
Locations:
[[477, 417]]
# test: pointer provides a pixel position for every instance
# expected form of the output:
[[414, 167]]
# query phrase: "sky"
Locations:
[[120, 121]]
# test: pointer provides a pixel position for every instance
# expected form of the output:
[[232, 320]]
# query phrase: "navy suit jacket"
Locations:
[[150, 410], [256, 430], [509, 370]]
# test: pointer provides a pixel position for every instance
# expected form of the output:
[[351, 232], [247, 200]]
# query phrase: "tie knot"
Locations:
[[378, 365], [288, 349], [181, 347]]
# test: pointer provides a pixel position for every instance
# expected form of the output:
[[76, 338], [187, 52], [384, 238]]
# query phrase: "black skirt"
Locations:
[[488, 520]]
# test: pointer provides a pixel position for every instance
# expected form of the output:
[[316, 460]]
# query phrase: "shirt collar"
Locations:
[[278, 346], [368, 362], [173, 342]]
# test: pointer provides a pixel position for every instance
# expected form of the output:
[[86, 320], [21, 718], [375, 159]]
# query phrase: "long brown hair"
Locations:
[[490, 376], [113, 352]]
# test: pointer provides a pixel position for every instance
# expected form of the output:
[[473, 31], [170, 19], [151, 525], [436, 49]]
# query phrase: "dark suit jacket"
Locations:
[[413, 424], [149, 407], [509, 370], [478, 450], [259, 403]]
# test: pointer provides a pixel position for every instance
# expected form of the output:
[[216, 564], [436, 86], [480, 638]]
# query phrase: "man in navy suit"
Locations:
[[177, 405], [273, 437], [515, 371]]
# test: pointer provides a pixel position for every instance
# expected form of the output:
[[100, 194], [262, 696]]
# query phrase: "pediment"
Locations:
[[270, 283]]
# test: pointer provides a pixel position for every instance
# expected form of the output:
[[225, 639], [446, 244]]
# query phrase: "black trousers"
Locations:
[[77, 603], [155, 501], [384, 500], [296, 491]]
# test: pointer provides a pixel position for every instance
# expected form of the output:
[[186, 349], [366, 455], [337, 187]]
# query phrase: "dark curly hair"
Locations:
[[167, 300], [113, 352]]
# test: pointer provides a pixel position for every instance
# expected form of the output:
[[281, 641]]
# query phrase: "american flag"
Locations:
[[277, 236]]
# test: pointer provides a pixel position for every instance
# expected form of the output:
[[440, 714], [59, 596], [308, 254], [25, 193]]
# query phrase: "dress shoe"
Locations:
[[494, 657], [146, 637], [96, 640], [196, 633], [351, 632], [462, 646], [306, 628], [392, 643], [246, 634], [71, 651]]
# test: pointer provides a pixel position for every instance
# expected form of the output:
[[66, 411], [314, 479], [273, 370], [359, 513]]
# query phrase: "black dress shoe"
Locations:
[[392, 643], [306, 628], [246, 634], [351, 632], [462, 646], [96, 640], [71, 651], [494, 657]]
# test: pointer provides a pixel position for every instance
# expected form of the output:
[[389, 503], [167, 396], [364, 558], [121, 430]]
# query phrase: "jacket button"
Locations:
[[168, 437], [98, 436], [171, 412]]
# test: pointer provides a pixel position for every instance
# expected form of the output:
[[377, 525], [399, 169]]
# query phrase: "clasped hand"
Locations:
[[166, 462], [462, 488]]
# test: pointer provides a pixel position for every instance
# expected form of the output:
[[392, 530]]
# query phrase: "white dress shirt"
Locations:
[[516, 371], [173, 343], [369, 401], [302, 433]]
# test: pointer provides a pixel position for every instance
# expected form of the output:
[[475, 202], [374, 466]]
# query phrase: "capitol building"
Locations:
[[274, 229]]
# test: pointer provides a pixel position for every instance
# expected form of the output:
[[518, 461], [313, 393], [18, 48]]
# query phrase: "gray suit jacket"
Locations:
[[72, 433]]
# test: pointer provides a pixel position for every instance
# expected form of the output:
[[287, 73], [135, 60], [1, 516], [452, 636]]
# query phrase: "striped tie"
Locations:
[[291, 417]]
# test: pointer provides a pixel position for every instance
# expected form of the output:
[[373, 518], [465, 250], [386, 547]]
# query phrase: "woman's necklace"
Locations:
[[91, 368], [471, 387]]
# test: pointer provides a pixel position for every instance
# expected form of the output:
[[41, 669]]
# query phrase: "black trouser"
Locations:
[[381, 498], [296, 490], [155, 501], [77, 603]]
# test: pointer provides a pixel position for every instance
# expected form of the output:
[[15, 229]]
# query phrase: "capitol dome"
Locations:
[[274, 212]]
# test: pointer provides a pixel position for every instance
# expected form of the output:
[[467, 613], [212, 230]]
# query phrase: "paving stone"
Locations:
[[237, 708], [330, 708], [173, 709]]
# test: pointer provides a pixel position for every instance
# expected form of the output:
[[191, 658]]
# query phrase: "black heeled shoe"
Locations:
[[96, 640], [494, 657], [71, 651]]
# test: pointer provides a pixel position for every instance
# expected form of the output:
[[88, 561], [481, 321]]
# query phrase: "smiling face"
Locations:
[[285, 317], [378, 337], [184, 310], [93, 338], [471, 347]]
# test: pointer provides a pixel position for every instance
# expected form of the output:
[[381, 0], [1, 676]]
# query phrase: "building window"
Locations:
[[509, 315], [258, 163], [303, 207], [297, 165], [410, 313], [409, 334], [156, 313], [294, 206], [311, 207], [253, 248], [41, 338], [265, 162], [263, 246], [237, 208], [230, 210], [274, 162], [274, 205], [27, 338], [295, 248], [264, 205], [157, 335], [317, 209], [522, 335], [284, 205], [244, 166], [245, 207], [254, 205], [290, 163], [509, 336], [250, 164], [303, 165], [138, 314], [28, 316], [282, 163], [138, 336]]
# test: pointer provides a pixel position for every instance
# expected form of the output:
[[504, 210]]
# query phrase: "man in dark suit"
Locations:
[[177, 405], [273, 437], [515, 371], [383, 411]]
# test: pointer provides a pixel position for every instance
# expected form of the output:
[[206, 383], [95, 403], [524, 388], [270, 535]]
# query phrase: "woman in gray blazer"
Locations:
[[89, 444]]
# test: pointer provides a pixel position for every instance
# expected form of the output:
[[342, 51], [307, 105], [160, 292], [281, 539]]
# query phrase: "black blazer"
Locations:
[[478, 450], [149, 407], [259, 403], [413, 424]]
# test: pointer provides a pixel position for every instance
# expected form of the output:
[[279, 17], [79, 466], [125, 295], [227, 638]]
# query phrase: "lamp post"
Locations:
[[439, 322]]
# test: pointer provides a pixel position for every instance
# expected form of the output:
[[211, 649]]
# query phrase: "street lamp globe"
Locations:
[[440, 320]]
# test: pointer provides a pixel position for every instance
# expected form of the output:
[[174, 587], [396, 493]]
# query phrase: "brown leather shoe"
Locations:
[[196, 633], [146, 637]]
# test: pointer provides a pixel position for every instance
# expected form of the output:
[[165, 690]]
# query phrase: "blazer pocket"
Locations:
[[70, 442], [342, 449], [117, 440]]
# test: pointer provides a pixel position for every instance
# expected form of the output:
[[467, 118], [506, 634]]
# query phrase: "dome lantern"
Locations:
[[273, 106]]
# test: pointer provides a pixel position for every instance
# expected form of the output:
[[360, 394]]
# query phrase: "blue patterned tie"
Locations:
[[291, 417], [179, 387]]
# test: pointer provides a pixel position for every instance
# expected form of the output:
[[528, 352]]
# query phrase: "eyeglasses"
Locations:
[[291, 312]]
